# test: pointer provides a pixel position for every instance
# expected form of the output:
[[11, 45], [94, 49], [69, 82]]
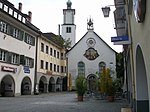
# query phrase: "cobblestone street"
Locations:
[[58, 102]]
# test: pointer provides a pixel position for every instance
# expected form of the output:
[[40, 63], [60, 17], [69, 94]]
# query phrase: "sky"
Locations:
[[48, 14]]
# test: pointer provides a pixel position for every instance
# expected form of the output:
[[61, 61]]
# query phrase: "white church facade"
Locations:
[[89, 55]]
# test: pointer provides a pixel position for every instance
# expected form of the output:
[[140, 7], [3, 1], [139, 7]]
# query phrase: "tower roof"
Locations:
[[69, 3]]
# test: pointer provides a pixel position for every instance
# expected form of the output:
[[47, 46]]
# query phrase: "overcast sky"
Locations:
[[48, 14]]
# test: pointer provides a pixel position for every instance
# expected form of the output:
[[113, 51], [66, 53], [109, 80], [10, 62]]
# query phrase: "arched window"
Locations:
[[81, 68], [102, 65]]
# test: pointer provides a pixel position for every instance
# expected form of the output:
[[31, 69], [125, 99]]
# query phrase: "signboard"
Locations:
[[8, 69], [120, 40], [26, 69]]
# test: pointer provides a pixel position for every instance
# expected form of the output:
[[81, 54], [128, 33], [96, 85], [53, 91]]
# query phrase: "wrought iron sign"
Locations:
[[91, 54]]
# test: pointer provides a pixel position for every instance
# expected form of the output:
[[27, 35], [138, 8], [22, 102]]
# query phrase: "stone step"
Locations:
[[127, 109]]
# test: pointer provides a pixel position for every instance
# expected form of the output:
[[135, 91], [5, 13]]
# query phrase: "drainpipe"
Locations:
[[36, 92]]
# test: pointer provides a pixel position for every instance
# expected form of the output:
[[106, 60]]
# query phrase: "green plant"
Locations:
[[107, 85], [81, 85]]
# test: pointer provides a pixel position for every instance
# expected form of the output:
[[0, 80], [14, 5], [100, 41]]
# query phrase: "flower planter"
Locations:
[[80, 98], [110, 98]]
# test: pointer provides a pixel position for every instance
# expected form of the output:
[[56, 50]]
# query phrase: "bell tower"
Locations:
[[68, 26]]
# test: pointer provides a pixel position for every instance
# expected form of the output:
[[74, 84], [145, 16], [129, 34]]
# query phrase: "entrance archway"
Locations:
[[51, 86], [7, 86], [58, 84], [43, 85], [142, 98], [26, 86], [92, 82]]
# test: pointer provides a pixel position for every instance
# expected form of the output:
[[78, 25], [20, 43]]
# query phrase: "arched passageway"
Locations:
[[51, 86], [58, 84], [142, 98], [7, 86], [43, 85], [64, 88], [26, 86]]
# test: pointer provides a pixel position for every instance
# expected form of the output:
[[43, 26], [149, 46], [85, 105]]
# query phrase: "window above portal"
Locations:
[[91, 54]]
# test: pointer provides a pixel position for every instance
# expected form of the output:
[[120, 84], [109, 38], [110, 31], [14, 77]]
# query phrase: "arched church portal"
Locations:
[[142, 98], [7, 86], [92, 79]]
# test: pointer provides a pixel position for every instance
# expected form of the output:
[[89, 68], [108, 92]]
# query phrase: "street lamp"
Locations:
[[106, 9]]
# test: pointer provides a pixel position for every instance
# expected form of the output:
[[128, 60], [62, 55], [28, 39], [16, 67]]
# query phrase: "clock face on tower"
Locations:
[[91, 42]]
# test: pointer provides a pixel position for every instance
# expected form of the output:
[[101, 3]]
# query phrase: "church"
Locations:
[[89, 55]]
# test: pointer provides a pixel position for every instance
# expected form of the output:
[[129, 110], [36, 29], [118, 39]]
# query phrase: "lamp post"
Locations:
[[106, 9]]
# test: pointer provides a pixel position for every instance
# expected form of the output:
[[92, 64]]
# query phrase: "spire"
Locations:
[[69, 3], [90, 24]]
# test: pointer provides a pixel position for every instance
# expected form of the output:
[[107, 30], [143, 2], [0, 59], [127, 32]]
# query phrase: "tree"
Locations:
[[67, 43], [120, 65]]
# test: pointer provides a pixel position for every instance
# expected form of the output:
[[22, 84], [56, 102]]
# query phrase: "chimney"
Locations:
[[20, 7], [59, 29], [30, 16]]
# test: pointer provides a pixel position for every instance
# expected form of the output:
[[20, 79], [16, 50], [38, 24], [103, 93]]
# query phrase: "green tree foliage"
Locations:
[[67, 43]]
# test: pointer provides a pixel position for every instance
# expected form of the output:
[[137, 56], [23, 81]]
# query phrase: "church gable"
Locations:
[[93, 41]]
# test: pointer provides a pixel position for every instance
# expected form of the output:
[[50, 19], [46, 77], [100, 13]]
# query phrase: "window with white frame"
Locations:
[[15, 58], [16, 32], [29, 39], [5, 8], [1, 5], [29, 62], [3, 55], [10, 11], [3, 26]]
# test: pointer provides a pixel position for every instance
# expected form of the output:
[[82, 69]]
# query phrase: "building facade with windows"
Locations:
[[17, 50], [88, 57], [51, 64]]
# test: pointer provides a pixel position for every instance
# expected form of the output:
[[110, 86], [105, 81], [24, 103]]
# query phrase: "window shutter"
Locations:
[[10, 30], [0, 25], [9, 57], [21, 34], [25, 38], [22, 59], [32, 63], [33, 41]]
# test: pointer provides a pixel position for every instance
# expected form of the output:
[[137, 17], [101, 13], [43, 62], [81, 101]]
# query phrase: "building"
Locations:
[[17, 50], [88, 56], [68, 26], [51, 64], [137, 54]]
